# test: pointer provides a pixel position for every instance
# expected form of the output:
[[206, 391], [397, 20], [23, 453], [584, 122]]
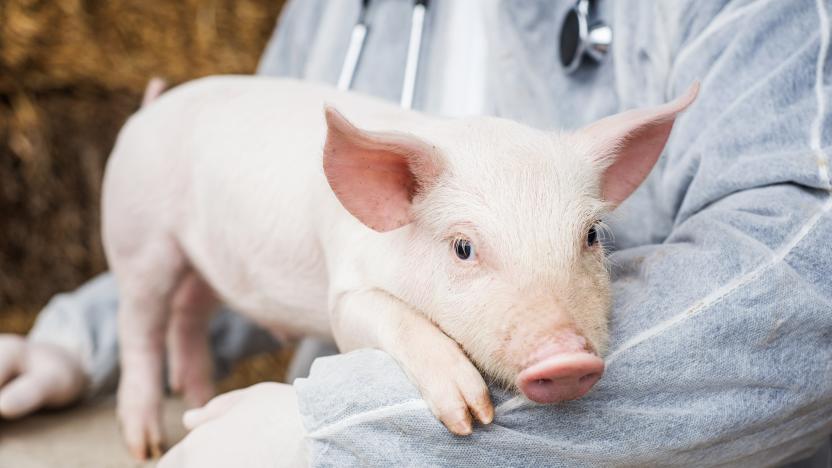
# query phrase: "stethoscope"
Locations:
[[582, 39], [414, 48], [582, 36]]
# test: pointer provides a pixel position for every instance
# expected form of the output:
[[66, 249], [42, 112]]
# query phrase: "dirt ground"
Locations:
[[84, 436], [71, 72]]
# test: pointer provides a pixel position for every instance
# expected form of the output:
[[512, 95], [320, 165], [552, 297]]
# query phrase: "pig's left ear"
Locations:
[[628, 144], [375, 175]]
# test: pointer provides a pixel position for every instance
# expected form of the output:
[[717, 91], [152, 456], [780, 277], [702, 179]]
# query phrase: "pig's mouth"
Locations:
[[564, 366]]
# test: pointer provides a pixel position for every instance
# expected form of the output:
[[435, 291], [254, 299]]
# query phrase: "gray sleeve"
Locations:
[[720, 354], [721, 349], [84, 323]]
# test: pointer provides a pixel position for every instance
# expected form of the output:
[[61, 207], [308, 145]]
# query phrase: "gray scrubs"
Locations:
[[721, 351]]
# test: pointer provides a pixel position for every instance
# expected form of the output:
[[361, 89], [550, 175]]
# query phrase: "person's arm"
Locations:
[[721, 345], [71, 351], [722, 331], [83, 324]]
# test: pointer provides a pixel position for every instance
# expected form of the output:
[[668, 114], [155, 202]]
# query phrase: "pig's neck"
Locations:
[[407, 273], [379, 261]]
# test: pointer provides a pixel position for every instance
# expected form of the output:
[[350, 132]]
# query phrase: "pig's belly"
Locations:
[[278, 289]]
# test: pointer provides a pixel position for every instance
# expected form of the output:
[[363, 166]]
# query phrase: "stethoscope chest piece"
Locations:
[[580, 37]]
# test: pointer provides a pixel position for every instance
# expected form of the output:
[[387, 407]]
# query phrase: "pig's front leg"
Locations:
[[450, 384]]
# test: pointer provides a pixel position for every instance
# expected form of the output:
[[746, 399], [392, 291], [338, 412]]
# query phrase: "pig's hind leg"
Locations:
[[190, 363], [148, 271]]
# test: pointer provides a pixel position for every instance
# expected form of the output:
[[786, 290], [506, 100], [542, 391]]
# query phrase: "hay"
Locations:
[[118, 44], [71, 72]]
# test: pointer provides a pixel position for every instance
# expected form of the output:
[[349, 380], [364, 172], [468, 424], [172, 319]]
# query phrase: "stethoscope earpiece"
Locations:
[[580, 38]]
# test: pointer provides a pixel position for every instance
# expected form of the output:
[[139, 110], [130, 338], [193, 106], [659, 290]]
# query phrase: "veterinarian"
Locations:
[[721, 349]]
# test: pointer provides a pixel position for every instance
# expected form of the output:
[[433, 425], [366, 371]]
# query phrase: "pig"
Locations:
[[462, 247]]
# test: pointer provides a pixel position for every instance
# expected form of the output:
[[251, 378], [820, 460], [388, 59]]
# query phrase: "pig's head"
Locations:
[[502, 231]]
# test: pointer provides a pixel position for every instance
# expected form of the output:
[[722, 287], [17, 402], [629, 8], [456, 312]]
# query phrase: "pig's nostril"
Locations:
[[588, 377], [582, 380]]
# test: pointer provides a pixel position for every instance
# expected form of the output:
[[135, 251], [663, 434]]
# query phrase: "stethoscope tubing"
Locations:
[[356, 46], [590, 40], [414, 49]]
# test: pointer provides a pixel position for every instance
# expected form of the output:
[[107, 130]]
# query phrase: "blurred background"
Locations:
[[71, 72]]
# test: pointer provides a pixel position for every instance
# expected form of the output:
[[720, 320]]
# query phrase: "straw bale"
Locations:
[[71, 72]]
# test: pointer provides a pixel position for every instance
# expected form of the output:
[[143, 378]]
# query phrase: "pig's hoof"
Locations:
[[143, 437], [156, 451], [457, 416], [455, 403], [144, 449]]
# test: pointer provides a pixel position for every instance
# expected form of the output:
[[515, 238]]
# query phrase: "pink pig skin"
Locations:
[[248, 191]]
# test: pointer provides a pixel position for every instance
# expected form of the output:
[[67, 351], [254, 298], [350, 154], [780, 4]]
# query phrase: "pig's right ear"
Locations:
[[628, 144], [376, 175]]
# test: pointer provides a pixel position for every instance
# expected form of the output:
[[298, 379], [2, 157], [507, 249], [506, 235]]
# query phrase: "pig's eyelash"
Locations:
[[604, 231], [606, 238], [465, 231], [451, 239]]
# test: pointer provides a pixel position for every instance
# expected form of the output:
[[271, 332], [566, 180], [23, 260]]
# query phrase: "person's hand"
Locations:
[[258, 426], [36, 375]]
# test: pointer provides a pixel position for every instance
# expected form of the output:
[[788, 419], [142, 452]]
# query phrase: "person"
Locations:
[[721, 327]]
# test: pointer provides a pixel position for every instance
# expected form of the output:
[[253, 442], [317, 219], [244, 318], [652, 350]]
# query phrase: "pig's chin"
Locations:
[[559, 366]]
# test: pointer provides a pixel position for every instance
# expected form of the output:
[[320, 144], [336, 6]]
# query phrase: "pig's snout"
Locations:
[[560, 377], [563, 368]]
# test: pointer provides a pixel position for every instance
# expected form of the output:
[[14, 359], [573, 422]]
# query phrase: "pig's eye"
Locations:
[[463, 249], [591, 237]]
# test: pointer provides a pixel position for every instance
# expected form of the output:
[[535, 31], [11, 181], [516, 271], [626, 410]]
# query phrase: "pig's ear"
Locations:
[[376, 175], [628, 144]]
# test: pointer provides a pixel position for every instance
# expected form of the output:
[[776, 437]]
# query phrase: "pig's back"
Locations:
[[254, 212]]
